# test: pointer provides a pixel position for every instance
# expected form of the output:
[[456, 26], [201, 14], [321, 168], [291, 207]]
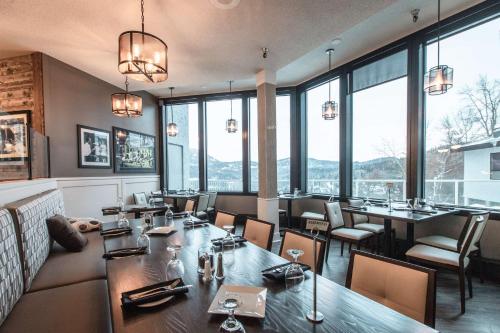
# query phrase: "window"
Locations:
[[183, 171], [322, 142], [282, 144], [379, 128], [224, 150], [463, 126]]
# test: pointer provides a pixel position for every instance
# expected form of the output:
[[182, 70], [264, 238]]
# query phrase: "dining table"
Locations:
[[137, 210], [285, 310], [180, 195], [290, 198], [410, 217]]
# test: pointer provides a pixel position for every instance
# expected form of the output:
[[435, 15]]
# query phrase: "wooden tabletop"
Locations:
[[344, 310], [181, 195], [401, 215], [137, 209], [294, 197]]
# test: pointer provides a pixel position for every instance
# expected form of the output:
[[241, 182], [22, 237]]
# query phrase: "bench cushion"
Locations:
[[63, 267], [372, 227], [354, 234], [11, 276], [77, 308], [30, 216]]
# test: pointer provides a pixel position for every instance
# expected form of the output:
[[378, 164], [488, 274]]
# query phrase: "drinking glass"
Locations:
[[230, 302], [367, 202], [151, 202], [175, 267], [169, 216], [294, 275], [143, 239], [228, 244], [205, 253], [416, 203], [120, 204], [296, 192], [122, 220], [148, 220], [189, 219], [408, 203]]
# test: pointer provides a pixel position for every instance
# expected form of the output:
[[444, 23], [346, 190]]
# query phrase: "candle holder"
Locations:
[[314, 315]]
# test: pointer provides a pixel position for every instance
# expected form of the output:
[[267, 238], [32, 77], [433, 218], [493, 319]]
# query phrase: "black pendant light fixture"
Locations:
[[172, 129], [231, 123], [438, 79], [329, 109], [126, 104], [142, 56]]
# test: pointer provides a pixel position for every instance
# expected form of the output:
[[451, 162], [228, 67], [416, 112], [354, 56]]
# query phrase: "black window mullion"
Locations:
[[202, 140], [345, 139], [245, 138]]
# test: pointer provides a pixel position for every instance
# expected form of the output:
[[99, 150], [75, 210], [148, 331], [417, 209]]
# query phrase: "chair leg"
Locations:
[[461, 277], [469, 280], [358, 245], [327, 248], [378, 243], [341, 248], [350, 247], [481, 268]]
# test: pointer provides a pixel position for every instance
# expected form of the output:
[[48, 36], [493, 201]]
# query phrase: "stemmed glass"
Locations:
[[122, 220], [367, 202], [294, 275], [143, 239], [231, 302], [228, 243], [169, 216], [408, 204], [151, 202], [175, 267], [189, 220]]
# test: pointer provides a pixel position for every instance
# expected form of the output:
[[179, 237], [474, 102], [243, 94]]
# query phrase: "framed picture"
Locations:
[[134, 152], [94, 147], [14, 137]]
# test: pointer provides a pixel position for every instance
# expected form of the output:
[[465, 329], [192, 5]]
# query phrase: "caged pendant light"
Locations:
[[438, 79], [231, 123], [172, 129], [329, 109], [142, 56], [126, 104]]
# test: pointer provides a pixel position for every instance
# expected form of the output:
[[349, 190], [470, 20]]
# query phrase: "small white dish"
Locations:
[[161, 231], [253, 301]]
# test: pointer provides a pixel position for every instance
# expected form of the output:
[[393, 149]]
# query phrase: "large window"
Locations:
[[224, 150], [322, 142], [183, 171], [282, 143], [462, 159]]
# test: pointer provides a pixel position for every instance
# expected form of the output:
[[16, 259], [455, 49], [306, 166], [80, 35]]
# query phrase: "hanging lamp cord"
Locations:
[[329, 81], [142, 15], [171, 107], [439, 26], [231, 97]]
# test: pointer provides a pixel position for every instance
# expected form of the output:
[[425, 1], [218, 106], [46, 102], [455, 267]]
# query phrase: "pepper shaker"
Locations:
[[219, 275]]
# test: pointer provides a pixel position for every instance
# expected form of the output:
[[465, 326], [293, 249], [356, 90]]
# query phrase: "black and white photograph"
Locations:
[[14, 128], [94, 147], [134, 152]]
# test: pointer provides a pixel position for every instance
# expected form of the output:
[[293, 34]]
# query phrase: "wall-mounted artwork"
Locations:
[[14, 136], [134, 152], [94, 147]]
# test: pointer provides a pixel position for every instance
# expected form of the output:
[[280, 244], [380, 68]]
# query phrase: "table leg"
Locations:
[[289, 213], [410, 232], [387, 237]]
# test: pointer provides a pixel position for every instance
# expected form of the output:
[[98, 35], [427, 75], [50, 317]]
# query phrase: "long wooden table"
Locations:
[[409, 217], [344, 310]]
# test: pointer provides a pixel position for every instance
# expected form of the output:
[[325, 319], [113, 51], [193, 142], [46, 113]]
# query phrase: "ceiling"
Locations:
[[208, 44]]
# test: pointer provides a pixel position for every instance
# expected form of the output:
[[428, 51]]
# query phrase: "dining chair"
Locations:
[[385, 281], [340, 231], [259, 232], [212, 198], [190, 206], [310, 216], [140, 198], [297, 240], [223, 218], [201, 209], [157, 196], [452, 260]]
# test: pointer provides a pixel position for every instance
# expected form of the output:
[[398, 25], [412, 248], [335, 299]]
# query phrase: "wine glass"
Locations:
[[143, 239], [148, 220], [120, 204], [228, 244], [151, 202], [189, 219], [175, 267], [294, 275], [122, 220], [169, 215], [230, 302], [367, 202]]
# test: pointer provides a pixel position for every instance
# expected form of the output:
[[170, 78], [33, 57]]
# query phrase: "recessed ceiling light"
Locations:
[[336, 41], [225, 4]]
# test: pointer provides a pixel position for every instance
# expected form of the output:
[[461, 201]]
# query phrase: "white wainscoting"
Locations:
[[16, 190]]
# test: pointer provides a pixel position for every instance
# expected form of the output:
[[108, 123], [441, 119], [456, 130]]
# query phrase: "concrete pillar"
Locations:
[[267, 202]]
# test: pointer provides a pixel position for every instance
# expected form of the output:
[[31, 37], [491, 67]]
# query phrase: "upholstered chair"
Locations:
[[340, 231], [140, 198], [190, 206], [201, 209], [259, 233], [296, 240], [453, 260], [224, 218], [386, 281], [212, 198]]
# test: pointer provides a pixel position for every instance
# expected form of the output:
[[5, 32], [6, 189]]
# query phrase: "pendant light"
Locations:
[[231, 123], [142, 56], [329, 109], [126, 104], [172, 129], [438, 79]]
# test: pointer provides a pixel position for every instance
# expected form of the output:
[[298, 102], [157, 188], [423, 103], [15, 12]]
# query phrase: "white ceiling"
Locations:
[[208, 45]]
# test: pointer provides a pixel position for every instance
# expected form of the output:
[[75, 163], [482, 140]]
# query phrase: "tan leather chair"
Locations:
[[190, 206], [387, 282], [296, 240], [451, 260], [224, 218], [259, 233]]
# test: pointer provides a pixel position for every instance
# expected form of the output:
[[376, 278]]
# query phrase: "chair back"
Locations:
[[212, 197], [469, 224], [334, 214], [474, 234], [224, 218], [190, 206], [140, 198], [387, 282], [357, 218], [296, 240], [202, 203], [259, 233], [157, 196]]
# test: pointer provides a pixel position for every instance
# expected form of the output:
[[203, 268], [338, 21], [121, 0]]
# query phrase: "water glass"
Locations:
[[120, 204], [296, 192], [122, 220], [205, 253], [294, 275], [151, 202], [228, 244], [148, 220], [230, 302], [143, 239], [175, 267], [169, 216]]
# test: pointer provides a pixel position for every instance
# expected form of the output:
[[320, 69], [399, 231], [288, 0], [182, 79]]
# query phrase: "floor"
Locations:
[[482, 311]]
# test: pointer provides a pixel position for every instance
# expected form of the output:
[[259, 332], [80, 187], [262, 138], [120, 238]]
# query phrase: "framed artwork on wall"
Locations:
[[134, 152], [14, 137], [94, 147]]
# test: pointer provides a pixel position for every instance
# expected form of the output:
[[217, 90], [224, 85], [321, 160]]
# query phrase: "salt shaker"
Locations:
[[219, 275], [207, 273]]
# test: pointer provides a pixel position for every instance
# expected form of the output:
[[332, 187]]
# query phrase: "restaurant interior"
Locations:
[[249, 166]]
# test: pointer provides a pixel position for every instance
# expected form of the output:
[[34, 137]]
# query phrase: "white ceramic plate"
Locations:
[[253, 301], [160, 231]]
